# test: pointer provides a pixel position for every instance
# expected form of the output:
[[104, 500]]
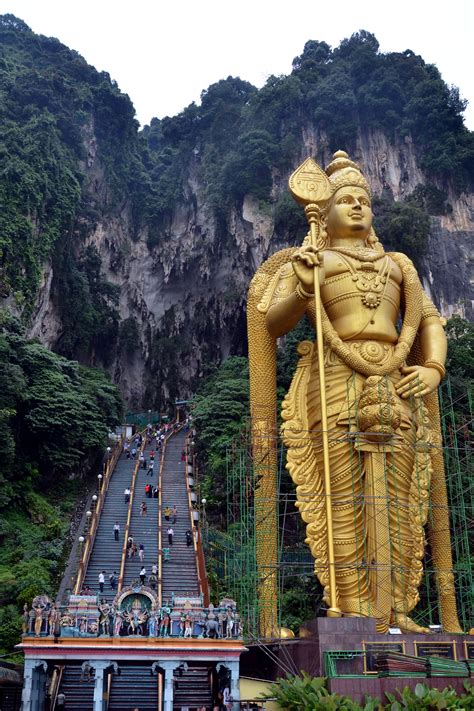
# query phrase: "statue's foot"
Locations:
[[452, 626], [406, 624]]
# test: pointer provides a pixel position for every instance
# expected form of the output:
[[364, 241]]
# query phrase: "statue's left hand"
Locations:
[[418, 381]]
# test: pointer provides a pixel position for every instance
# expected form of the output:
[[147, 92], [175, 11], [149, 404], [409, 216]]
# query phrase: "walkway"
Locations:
[[143, 529], [107, 553], [179, 574]]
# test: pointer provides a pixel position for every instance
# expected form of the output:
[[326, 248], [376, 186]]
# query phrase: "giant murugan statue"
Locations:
[[361, 420]]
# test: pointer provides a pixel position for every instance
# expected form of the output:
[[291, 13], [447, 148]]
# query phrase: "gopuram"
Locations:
[[360, 421]]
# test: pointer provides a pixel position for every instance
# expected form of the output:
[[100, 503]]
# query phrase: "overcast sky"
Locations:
[[164, 53]]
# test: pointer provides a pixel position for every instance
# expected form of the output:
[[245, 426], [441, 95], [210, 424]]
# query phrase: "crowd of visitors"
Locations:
[[135, 450]]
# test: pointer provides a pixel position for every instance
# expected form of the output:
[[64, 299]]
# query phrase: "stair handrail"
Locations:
[[129, 517], [160, 533], [55, 684], [94, 523], [197, 540]]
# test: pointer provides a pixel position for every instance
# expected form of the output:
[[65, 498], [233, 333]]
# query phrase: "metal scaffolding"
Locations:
[[233, 555]]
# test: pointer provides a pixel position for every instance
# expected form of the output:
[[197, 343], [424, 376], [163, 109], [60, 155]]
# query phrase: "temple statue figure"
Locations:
[[365, 454]]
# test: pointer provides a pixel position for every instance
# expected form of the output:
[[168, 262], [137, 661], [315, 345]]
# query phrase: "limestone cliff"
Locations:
[[187, 294], [132, 249]]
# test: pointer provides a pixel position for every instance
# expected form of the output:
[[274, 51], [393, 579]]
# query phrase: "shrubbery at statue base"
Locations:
[[310, 693]]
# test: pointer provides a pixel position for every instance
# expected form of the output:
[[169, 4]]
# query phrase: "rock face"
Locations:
[[187, 294]]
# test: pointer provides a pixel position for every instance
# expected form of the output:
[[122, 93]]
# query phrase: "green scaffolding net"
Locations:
[[231, 554]]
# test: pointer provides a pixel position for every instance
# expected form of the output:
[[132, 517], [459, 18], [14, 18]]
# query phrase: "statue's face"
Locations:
[[350, 213]]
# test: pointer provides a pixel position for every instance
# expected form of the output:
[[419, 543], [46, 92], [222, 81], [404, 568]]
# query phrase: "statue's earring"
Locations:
[[372, 240]]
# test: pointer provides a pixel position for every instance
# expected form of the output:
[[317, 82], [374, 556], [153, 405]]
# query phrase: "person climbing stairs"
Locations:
[[143, 523], [106, 553], [179, 574]]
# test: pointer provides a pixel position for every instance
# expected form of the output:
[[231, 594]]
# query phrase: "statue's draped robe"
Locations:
[[405, 461]]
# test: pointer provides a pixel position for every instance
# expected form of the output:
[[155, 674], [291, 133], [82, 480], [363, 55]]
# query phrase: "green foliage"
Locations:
[[431, 199], [310, 693], [289, 219], [10, 624], [72, 153], [33, 539], [300, 601], [56, 414], [55, 417], [88, 306], [221, 406], [240, 135], [50, 100], [460, 368], [402, 226], [288, 354], [423, 697], [128, 336], [460, 360], [248, 169]]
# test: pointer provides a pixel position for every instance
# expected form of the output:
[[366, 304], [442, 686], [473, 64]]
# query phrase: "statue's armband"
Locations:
[[429, 310], [281, 285]]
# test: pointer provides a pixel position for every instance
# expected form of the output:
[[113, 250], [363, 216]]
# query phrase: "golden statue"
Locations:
[[361, 419]]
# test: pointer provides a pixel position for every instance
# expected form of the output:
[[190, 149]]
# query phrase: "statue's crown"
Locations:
[[343, 171], [310, 184]]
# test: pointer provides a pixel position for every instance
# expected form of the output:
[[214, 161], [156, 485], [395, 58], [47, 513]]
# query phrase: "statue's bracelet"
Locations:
[[436, 366], [302, 294]]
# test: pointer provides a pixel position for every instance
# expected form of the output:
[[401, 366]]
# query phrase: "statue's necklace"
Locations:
[[366, 279], [413, 296], [362, 254]]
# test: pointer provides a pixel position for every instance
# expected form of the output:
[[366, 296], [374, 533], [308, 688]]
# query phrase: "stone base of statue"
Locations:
[[348, 652]]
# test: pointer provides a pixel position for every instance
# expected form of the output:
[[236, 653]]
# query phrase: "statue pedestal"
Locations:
[[354, 634]]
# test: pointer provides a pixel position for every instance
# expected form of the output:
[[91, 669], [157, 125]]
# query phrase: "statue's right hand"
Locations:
[[304, 262]]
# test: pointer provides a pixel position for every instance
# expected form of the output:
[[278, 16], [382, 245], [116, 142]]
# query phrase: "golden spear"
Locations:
[[309, 185]]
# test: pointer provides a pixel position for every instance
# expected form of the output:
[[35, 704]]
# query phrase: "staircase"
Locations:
[[179, 574], [79, 694], [135, 687], [107, 553], [192, 689], [143, 529]]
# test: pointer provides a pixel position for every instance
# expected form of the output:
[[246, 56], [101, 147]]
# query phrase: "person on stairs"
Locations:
[[170, 533], [116, 530], [113, 580]]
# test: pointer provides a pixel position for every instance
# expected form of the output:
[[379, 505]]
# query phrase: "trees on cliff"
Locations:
[[55, 416]]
